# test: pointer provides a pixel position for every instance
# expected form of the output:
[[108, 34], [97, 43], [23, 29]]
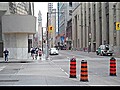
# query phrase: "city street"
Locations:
[[85, 37], [55, 71]]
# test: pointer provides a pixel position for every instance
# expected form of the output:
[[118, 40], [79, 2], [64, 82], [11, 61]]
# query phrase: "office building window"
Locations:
[[70, 12], [70, 4]]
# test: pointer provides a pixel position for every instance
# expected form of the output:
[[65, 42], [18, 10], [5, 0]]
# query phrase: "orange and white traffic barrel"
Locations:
[[84, 71], [73, 68], [112, 66]]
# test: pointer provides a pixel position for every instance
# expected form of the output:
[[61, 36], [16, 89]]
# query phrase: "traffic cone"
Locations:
[[73, 68], [84, 71], [112, 66]]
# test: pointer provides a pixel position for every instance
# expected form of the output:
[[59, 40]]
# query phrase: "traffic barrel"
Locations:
[[84, 71], [73, 68], [112, 66]]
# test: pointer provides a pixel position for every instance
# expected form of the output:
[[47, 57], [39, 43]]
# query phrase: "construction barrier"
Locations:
[[84, 71], [73, 68], [112, 66]]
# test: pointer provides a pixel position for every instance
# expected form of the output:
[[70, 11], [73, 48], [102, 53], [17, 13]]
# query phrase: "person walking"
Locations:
[[40, 53], [33, 53], [31, 50], [36, 53], [6, 52]]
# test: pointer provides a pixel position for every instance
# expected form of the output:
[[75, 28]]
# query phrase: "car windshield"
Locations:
[[53, 49], [109, 47]]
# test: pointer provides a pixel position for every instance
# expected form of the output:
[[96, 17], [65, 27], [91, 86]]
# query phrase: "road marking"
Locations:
[[1, 68], [60, 68], [63, 71]]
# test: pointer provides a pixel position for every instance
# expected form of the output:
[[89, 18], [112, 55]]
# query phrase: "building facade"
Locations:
[[65, 15], [51, 22], [94, 23], [17, 13], [40, 32]]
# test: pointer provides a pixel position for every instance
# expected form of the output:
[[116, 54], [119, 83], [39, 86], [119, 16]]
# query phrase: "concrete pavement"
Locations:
[[34, 73]]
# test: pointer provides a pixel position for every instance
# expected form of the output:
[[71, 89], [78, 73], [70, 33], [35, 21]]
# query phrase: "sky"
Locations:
[[43, 7]]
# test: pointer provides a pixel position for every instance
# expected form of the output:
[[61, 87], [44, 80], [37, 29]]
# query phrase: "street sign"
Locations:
[[50, 29], [117, 25]]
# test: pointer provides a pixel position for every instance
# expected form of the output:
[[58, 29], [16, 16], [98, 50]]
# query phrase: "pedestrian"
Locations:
[[6, 52], [99, 51], [84, 49], [36, 53], [31, 50], [33, 53], [40, 53]]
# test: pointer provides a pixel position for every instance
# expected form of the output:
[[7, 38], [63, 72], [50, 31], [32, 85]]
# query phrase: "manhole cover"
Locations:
[[9, 80]]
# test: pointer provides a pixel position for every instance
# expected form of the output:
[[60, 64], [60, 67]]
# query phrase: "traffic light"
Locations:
[[117, 25], [51, 29]]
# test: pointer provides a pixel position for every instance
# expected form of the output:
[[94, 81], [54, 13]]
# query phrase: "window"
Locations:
[[70, 4], [70, 12]]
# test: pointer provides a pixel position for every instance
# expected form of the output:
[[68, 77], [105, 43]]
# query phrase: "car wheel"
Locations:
[[101, 54], [97, 53]]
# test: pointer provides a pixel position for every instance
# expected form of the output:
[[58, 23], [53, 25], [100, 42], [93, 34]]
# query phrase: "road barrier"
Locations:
[[112, 66], [73, 68], [84, 71]]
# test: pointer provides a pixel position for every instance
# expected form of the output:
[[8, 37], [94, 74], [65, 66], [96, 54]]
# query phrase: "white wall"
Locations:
[[17, 44]]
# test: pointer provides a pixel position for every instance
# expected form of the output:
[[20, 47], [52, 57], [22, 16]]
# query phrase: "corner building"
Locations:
[[17, 28]]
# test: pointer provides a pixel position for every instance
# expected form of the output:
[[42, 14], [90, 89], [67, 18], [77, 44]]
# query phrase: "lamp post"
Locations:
[[42, 39], [47, 39], [58, 18]]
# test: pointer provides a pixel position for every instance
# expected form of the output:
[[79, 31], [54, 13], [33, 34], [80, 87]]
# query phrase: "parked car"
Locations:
[[53, 51], [104, 50]]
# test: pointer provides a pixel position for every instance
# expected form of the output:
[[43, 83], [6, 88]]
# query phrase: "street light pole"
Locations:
[[58, 18], [42, 39]]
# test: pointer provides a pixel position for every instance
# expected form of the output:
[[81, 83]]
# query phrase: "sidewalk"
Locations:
[[12, 60], [39, 73]]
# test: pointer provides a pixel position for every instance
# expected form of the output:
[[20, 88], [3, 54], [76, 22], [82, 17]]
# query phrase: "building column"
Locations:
[[118, 31], [104, 33]]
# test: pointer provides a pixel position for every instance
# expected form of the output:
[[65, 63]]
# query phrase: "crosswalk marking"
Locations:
[[1, 68]]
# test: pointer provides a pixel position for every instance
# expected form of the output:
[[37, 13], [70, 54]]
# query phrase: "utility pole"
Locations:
[[47, 50], [58, 18], [42, 39]]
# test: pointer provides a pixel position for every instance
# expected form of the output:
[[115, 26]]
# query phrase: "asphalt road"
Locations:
[[55, 71]]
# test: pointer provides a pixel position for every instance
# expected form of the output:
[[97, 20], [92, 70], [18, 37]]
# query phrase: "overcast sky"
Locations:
[[43, 7]]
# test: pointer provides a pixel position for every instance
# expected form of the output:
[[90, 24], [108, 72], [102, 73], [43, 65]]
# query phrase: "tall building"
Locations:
[[64, 15], [40, 32], [50, 7], [51, 22], [94, 23], [69, 25]]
